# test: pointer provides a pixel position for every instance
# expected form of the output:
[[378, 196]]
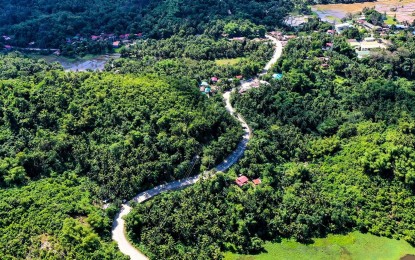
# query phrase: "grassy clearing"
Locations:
[[352, 246], [390, 20], [222, 62], [333, 18]]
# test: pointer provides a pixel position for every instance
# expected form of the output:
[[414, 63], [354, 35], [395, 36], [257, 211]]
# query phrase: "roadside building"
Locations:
[[354, 43], [116, 44], [204, 84], [277, 76], [278, 35], [371, 45], [401, 27], [242, 180], [328, 46], [362, 54], [238, 39], [257, 181], [341, 27], [288, 37]]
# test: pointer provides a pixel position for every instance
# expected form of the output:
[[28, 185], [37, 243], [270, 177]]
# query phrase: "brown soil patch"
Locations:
[[408, 257]]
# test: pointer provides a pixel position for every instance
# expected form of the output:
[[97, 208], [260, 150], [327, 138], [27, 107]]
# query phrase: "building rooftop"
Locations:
[[257, 181], [242, 180]]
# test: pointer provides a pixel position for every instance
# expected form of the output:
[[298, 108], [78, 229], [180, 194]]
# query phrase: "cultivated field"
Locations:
[[403, 9]]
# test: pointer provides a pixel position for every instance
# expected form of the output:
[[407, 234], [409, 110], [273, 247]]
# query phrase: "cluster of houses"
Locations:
[[116, 40], [210, 89], [207, 89], [243, 180], [362, 23], [364, 47], [6, 46], [248, 84], [283, 38]]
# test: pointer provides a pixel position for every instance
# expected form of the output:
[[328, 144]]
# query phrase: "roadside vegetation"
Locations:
[[333, 145], [194, 57], [70, 141], [51, 24], [333, 139]]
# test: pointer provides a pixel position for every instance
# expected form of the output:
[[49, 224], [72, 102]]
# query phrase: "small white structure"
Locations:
[[370, 39], [368, 46], [341, 27]]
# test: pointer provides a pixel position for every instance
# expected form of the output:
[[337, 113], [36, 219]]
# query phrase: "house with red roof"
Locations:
[[116, 44], [242, 180], [257, 181], [214, 79]]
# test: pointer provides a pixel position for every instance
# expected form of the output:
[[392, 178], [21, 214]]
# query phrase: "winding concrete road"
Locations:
[[118, 227], [277, 54]]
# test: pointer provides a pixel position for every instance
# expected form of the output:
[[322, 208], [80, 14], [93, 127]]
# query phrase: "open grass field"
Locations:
[[356, 246], [390, 21], [403, 9], [222, 62]]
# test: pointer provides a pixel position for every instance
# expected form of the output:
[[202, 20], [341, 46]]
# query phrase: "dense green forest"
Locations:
[[71, 140], [124, 132], [195, 57], [50, 23], [334, 149], [200, 47], [54, 218], [333, 140]]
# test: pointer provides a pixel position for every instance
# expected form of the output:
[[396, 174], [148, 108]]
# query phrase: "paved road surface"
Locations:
[[118, 227], [277, 54]]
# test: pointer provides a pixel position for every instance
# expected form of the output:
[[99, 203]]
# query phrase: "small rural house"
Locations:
[[341, 27], [116, 44], [242, 180], [257, 181]]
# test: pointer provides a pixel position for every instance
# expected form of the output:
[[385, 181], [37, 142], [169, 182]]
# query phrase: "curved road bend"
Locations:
[[277, 54], [118, 227]]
